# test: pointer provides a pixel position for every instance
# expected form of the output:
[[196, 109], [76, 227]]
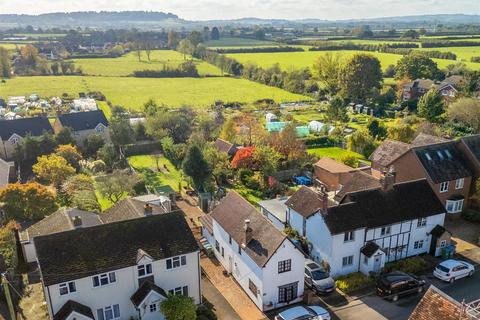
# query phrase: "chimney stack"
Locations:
[[147, 209], [324, 201], [77, 222], [248, 233], [388, 179]]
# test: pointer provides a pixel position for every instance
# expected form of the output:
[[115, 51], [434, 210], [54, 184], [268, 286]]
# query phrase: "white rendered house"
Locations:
[[370, 227], [120, 270], [262, 259]]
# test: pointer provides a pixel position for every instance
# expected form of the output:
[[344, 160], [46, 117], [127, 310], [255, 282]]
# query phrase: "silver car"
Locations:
[[304, 313], [317, 278]]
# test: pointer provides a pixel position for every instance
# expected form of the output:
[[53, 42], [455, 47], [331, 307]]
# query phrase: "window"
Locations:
[[176, 262], [443, 243], [153, 307], [444, 186], [427, 155], [217, 246], [104, 279], [288, 292], [459, 183], [179, 291], [144, 270], [284, 266], [385, 230], [67, 287], [418, 244], [349, 236], [422, 222], [449, 155], [252, 287], [347, 261], [454, 206], [100, 128], [365, 259], [440, 154], [14, 140], [239, 250], [109, 312], [230, 239]]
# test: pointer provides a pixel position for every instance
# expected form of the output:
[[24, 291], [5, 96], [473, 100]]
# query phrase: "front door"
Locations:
[[377, 263]]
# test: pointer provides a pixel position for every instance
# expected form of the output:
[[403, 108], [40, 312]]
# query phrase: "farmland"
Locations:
[[239, 42], [134, 92], [297, 60], [127, 64]]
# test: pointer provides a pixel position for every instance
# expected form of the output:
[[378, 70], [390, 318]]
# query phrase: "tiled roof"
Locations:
[[473, 144], [425, 139], [231, 214], [333, 166], [34, 126], [438, 231], [369, 248], [374, 207], [129, 209], [144, 290], [206, 222], [225, 146], [80, 253], [436, 304], [442, 161], [423, 83], [59, 221], [305, 201], [79, 121], [454, 81], [72, 306], [389, 151], [357, 181]]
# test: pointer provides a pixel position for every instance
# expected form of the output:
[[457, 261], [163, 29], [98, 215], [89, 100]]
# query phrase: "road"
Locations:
[[373, 307]]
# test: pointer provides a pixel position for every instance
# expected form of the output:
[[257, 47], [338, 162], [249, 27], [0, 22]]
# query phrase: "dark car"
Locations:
[[397, 284]]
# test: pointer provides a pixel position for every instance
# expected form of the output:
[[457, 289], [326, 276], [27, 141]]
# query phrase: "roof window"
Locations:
[[449, 155], [427, 155], [440, 154]]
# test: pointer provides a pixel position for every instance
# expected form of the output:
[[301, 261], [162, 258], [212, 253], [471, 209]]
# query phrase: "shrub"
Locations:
[[353, 281], [413, 265], [471, 215]]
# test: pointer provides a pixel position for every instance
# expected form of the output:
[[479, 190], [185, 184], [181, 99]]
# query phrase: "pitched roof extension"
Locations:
[[231, 214], [144, 290], [369, 248], [70, 307], [389, 151], [33, 126], [84, 252], [225, 146], [473, 144], [129, 209], [333, 166], [305, 201], [79, 121], [425, 139]]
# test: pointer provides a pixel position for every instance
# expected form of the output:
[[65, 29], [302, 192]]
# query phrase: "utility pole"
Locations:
[[8, 297]]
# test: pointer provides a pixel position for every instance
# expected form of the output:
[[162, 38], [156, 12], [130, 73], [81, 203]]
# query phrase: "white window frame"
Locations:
[[145, 269], [114, 315], [111, 277], [459, 183], [69, 286], [443, 243], [444, 186], [417, 245], [176, 262], [349, 236], [153, 307], [454, 206], [421, 222], [183, 290], [385, 230], [347, 261]]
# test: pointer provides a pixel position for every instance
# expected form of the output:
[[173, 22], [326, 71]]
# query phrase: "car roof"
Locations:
[[312, 265], [294, 313], [396, 276], [450, 263]]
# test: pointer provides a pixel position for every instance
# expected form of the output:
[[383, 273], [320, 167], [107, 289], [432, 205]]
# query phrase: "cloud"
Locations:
[[231, 9]]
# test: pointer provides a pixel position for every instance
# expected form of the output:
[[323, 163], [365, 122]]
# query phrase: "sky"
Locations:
[[233, 9]]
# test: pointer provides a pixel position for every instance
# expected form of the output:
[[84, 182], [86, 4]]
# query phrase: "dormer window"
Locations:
[[100, 128], [144, 270]]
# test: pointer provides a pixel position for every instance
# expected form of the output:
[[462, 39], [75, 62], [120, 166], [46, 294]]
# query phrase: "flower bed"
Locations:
[[415, 265], [352, 282]]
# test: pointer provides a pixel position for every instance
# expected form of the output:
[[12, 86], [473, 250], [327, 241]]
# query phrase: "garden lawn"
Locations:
[[239, 42], [102, 105], [105, 203], [127, 64], [146, 165], [132, 93], [335, 153]]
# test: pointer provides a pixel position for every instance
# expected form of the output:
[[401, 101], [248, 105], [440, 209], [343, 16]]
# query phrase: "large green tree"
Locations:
[[431, 105], [117, 185], [467, 112], [361, 142], [416, 65], [218, 162], [186, 47], [5, 67], [327, 69], [175, 124], [359, 75], [52, 169], [337, 110], [178, 307], [196, 167]]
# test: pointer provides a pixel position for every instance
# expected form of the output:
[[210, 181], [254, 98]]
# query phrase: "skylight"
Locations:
[[449, 155], [440, 154], [428, 156]]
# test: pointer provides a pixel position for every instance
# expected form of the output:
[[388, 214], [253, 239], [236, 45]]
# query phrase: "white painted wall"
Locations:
[[320, 238], [29, 251], [341, 249], [275, 221], [295, 220], [126, 285]]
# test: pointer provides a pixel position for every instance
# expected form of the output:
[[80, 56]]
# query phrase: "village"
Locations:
[[349, 189]]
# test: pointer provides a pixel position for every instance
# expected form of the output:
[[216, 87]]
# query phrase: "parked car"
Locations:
[[397, 284], [317, 278], [451, 270], [304, 313]]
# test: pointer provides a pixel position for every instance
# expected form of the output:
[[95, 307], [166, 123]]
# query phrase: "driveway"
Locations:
[[223, 310]]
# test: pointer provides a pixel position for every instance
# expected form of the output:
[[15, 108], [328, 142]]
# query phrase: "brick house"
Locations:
[[416, 89], [440, 161]]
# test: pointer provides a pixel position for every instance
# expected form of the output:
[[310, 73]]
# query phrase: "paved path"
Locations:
[[222, 308]]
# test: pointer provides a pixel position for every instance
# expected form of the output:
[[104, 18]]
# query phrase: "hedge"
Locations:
[[353, 281], [260, 50], [146, 147], [415, 265]]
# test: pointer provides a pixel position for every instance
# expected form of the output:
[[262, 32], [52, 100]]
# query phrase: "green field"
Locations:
[[10, 46], [239, 42], [127, 64], [463, 53], [335, 153], [297, 60], [134, 92], [40, 35]]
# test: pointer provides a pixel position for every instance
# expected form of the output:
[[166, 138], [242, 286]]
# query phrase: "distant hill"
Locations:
[[148, 19]]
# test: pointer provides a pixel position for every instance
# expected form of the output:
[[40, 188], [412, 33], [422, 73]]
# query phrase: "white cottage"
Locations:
[[262, 259], [370, 227], [120, 270]]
